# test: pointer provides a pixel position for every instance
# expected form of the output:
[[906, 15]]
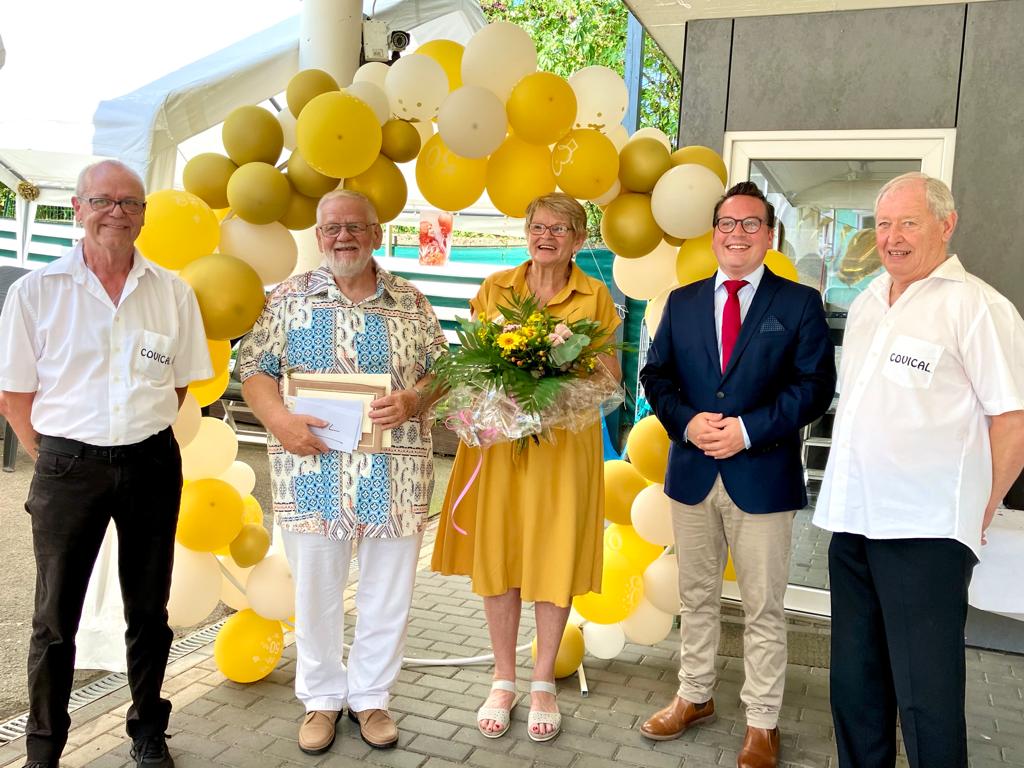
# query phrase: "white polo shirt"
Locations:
[[102, 374], [910, 451]]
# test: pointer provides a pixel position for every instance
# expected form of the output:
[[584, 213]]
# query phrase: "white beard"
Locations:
[[343, 269]]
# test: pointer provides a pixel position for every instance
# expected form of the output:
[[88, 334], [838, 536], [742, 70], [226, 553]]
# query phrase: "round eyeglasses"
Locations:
[[750, 225]]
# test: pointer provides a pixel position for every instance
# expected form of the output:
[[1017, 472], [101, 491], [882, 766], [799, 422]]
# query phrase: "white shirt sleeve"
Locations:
[[18, 342], [192, 362], [993, 354]]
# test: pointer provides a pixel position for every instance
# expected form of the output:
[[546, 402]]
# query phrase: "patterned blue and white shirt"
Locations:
[[309, 325]]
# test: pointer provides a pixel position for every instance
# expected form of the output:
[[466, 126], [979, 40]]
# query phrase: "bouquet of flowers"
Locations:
[[524, 374]]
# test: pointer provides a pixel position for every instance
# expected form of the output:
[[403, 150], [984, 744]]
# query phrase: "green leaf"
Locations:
[[569, 350]]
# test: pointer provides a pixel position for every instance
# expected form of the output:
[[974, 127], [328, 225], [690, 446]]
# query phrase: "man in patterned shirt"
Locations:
[[347, 316]]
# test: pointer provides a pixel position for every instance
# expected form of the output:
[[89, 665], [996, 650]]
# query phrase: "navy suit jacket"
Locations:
[[781, 376]]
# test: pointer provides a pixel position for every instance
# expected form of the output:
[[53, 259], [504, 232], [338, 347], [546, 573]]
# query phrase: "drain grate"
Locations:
[[14, 729]]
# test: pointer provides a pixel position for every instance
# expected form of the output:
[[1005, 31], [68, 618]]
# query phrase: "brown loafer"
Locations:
[[376, 727], [672, 721], [316, 734], [760, 749]]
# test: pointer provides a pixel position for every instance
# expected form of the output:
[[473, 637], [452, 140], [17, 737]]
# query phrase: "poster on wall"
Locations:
[[435, 238]]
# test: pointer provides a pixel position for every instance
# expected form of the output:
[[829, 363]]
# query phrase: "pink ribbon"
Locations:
[[465, 490]]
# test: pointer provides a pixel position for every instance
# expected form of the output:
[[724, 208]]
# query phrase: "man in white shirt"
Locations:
[[928, 438], [96, 352]]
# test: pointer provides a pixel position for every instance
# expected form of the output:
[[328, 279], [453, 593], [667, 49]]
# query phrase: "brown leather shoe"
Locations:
[[316, 734], [376, 727], [672, 721], [760, 749]]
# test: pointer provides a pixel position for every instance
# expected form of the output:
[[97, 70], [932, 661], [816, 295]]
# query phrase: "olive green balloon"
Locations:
[[641, 163], [384, 185], [252, 135], [307, 180], [305, 85], [206, 176], [259, 193], [250, 545], [628, 227], [399, 141], [705, 156], [301, 213]]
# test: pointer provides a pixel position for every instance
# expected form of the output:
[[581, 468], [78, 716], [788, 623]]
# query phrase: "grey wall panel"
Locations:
[[988, 169], [705, 83], [895, 68]]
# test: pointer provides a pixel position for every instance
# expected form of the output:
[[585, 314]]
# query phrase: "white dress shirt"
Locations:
[[910, 451], [102, 374]]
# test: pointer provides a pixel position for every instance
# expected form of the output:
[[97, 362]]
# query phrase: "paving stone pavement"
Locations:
[[220, 723]]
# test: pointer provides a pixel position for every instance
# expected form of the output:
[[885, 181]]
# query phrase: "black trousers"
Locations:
[[76, 490], [899, 607]]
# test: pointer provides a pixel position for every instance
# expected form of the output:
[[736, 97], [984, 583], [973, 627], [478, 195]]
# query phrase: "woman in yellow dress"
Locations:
[[533, 519]]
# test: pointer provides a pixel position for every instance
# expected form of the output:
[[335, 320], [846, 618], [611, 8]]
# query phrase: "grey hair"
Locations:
[[347, 194], [83, 176], [936, 193]]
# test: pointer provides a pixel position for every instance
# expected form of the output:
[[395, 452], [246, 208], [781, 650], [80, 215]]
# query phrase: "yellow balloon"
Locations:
[[625, 541], [778, 263], [306, 180], [305, 85], [730, 569], [641, 163], [696, 261], [385, 185], [585, 163], [206, 176], [207, 391], [179, 228], [250, 545], [622, 483], [259, 193], [647, 448], [570, 652], [252, 135], [447, 181], [210, 516], [400, 141], [338, 134], [230, 294], [705, 156], [301, 210], [517, 173], [251, 510], [628, 227], [541, 108], [248, 647], [622, 588], [448, 54]]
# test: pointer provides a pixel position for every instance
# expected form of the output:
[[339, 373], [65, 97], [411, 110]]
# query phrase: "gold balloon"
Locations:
[[570, 651], [208, 391], [861, 257], [250, 545], [641, 163], [647, 448], [676, 241], [705, 156], [248, 647], [628, 227], [259, 193], [447, 181], [541, 108], [585, 163], [696, 261], [779, 264], [399, 141], [229, 291], [306, 180], [385, 185], [210, 515], [301, 210], [338, 134], [517, 173], [179, 228], [622, 483], [448, 54], [305, 85], [252, 135], [206, 176]]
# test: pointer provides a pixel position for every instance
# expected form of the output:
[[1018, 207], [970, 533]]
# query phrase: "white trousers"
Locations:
[[387, 571]]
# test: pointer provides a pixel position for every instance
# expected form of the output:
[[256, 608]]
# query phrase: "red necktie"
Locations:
[[731, 319]]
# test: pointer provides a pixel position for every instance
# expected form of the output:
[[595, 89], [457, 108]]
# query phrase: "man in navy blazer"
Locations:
[[740, 363]]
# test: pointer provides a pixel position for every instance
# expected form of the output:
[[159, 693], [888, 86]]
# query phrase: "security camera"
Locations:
[[398, 40]]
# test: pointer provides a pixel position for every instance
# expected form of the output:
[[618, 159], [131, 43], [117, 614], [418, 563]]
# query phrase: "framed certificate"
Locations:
[[361, 387]]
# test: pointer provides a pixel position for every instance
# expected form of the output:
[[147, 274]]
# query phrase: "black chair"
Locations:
[[8, 275]]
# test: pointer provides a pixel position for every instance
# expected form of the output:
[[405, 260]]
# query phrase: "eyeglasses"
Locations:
[[558, 230], [129, 205], [750, 224], [352, 227]]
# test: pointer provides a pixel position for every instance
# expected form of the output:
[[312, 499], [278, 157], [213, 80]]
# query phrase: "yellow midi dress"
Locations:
[[533, 519]]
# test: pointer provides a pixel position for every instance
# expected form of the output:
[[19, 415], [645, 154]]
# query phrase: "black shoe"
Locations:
[[39, 764], [152, 751]]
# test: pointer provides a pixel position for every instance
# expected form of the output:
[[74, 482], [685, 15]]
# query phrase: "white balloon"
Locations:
[[229, 593], [270, 589], [655, 309], [309, 257], [374, 97], [186, 426], [574, 617], [210, 452], [683, 200], [375, 72], [195, 587], [651, 515], [416, 85], [661, 584], [619, 136], [653, 133], [425, 130], [287, 121], [610, 195], [601, 97], [646, 277], [604, 641], [240, 476], [497, 57], [646, 625], [472, 121], [268, 248]]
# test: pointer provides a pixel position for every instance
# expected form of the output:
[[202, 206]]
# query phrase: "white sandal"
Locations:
[[497, 714], [554, 719]]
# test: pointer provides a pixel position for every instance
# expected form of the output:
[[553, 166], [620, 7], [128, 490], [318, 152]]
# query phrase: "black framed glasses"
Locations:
[[750, 225], [129, 205], [558, 230], [352, 227]]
